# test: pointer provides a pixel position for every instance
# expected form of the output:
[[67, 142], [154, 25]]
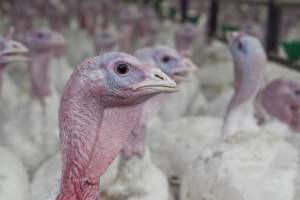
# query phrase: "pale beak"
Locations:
[[156, 82], [15, 52]]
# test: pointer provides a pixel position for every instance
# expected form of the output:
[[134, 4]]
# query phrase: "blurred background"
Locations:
[[57, 35]]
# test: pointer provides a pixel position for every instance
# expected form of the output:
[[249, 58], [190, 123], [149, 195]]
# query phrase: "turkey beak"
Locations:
[[16, 52], [156, 82]]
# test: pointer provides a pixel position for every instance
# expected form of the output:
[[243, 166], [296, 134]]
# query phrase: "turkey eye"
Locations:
[[40, 35], [122, 68], [297, 92], [166, 59], [240, 46]]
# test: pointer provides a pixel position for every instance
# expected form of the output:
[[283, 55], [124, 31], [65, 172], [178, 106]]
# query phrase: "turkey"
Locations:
[[31, 129], [59, 68], [178, 68], [11, 52], [261, 159], [14, 182], [105, 96], [137, 176]]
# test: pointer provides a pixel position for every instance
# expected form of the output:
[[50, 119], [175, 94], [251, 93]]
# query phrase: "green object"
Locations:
[[229, 28], [157, 4], [292, 49], [193, 19], [172, 13]]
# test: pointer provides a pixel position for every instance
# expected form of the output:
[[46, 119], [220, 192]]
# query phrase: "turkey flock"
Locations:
[[108, 100]]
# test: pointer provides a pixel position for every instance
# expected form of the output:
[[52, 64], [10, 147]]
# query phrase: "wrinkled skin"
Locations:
[[102, 103]]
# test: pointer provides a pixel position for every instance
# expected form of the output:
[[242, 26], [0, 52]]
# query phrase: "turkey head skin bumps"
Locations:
[[287, 104], [102, 102]]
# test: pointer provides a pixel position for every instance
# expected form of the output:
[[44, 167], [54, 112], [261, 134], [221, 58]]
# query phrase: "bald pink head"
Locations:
[[10, 52], [281, 100], [41, 40], [102, 103], [249, 63], [168, 60], [249, 60]]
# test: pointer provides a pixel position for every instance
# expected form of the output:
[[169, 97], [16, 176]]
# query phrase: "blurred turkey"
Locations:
[[246, 152], [31, 131]]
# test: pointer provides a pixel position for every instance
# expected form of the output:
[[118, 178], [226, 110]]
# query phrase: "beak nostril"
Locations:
[[159, 76]]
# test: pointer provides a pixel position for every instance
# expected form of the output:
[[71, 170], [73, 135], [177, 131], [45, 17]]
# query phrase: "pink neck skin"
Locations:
[[2, 69], [40, 83], [135, 144], [248, 82], [91, 137], [281, 106]]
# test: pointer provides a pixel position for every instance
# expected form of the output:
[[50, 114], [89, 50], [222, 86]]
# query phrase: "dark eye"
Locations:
[[40, 35], [166, 59], [240, 46], [297, 92], [122, 68]]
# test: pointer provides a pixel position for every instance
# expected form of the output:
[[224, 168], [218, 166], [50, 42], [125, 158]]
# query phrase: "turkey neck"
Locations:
[[249, 79], [91, 137], [40, 83], [135, 144]]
